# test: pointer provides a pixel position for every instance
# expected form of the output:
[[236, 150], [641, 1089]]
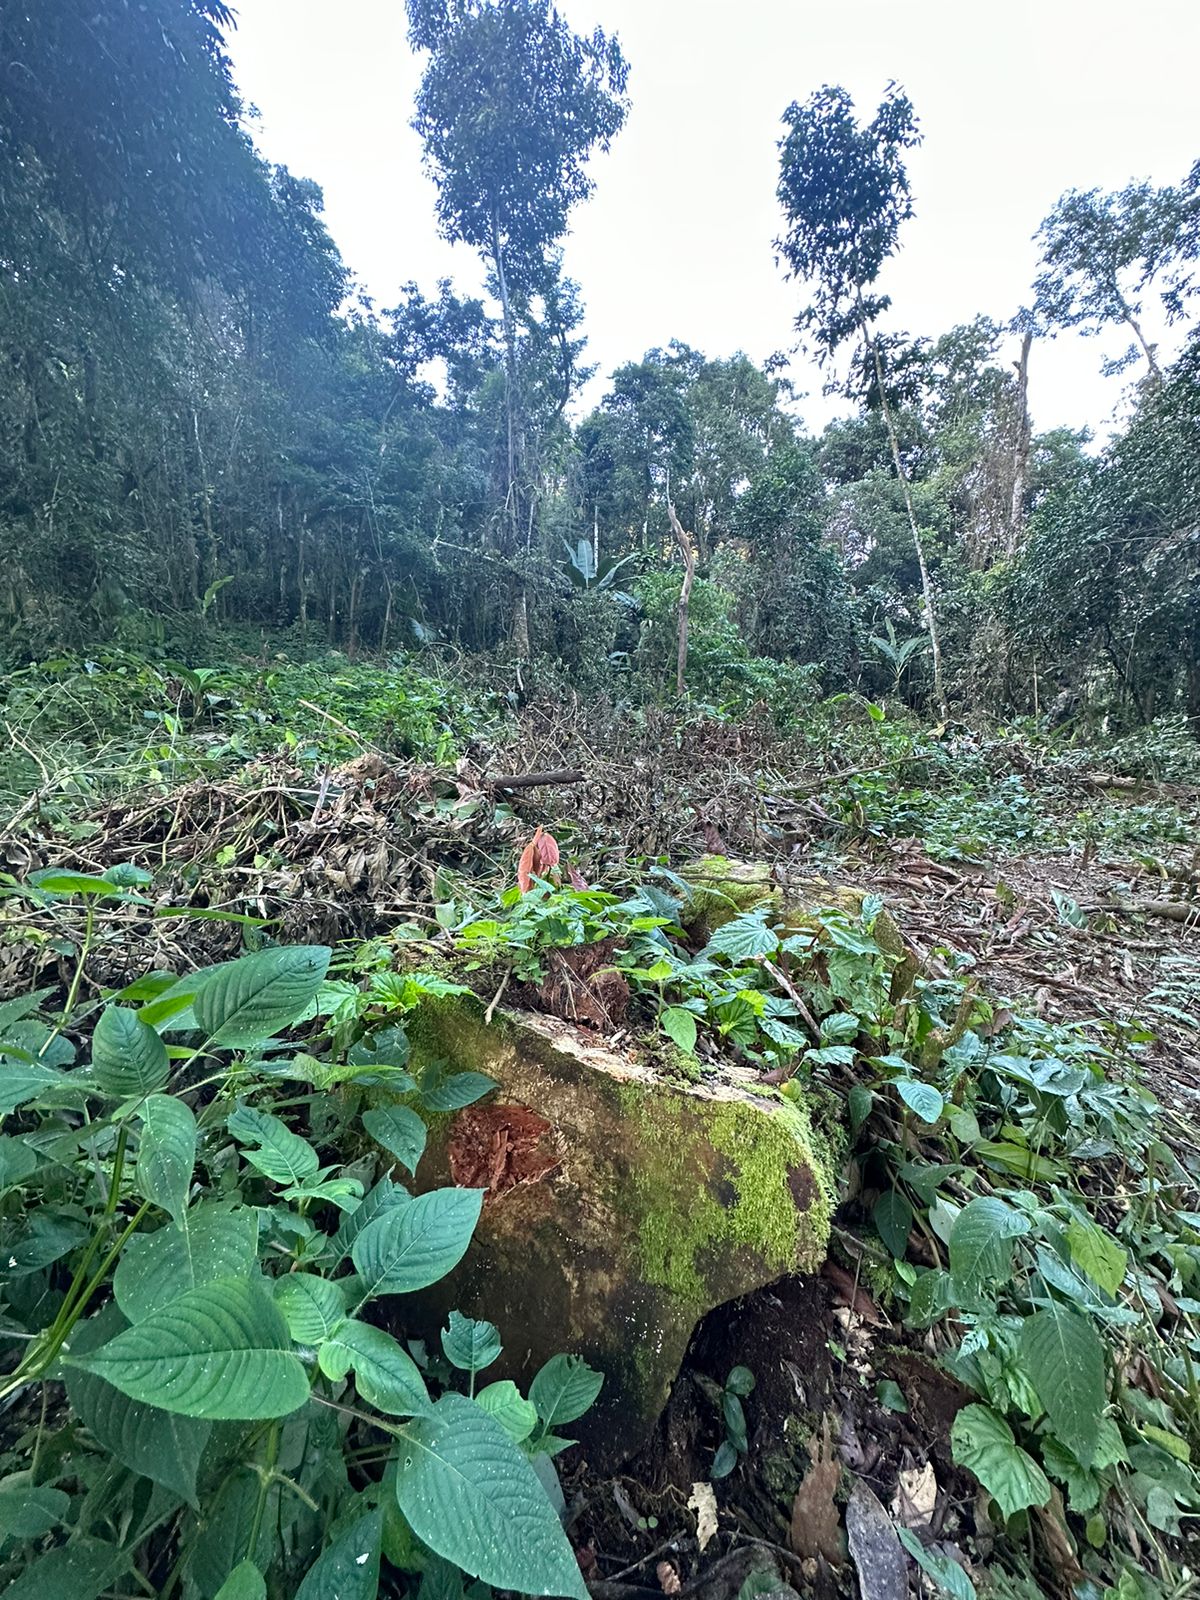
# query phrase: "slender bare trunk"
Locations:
[[1147, 349], [355, 590], [935, 643], [208, 560], [512, 508], [685, 595], [1020, 480], [301, 578]]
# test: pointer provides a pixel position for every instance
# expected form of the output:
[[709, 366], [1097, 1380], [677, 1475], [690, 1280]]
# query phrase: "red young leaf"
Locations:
[[547, 849], [576, 878], [525, 867]]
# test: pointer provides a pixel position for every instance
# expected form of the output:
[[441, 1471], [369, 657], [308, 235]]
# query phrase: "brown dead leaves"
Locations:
[[816, 1528]]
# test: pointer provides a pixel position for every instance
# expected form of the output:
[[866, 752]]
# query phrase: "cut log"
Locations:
[[537, 780]]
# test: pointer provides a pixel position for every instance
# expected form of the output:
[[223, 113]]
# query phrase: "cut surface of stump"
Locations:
[[619, 1208]]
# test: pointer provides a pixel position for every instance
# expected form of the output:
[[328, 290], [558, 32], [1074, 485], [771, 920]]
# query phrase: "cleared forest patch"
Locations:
[[994, 1371]]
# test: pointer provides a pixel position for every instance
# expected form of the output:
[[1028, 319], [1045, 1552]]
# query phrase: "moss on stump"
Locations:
[[620, 1208], [722, 888]]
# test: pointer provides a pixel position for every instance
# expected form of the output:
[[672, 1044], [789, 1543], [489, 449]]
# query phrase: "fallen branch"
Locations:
[[536, 780], [1172, 910], [340, 725], [793, 994], [1110, 780]]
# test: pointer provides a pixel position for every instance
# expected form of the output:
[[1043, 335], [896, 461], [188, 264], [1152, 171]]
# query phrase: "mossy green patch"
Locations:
[[687, 1222], [721, 888]]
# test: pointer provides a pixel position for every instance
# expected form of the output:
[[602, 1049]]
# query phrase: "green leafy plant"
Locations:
[[728, 1399], [203, 1315], [898, 653]]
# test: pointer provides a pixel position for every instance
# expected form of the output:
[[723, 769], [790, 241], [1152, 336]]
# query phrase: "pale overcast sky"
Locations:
[[1017, 101]]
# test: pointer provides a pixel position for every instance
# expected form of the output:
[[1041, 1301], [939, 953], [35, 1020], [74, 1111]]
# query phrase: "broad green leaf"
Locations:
[[680, 1026], [225, 1537], [78, 1570], [740, 1381], [564, 1389], [158, 1445], [53, 880], [385, 1374], [1110, 1447], [843, 1027], [1082, 1484], [859, 1102], [743, 939], [1064, 1361], [128, 1057], [221, 1351], [20, 1006], [385, 1196], [245, 1582], [890, 1395], [946, 1573], [893, 1218], [1001, 1155], [468, 1344], [791, 1038], [921, 1098], [389, 1048], [470, 1494], [349, 1568], [127, 875], [981, 1243], [271, 1146], [312, 1307], [1093, 1251], [208, 1242], [412, 1246], [735, 1422], [399, 1130], [28, 1510], [47, 1238], [22, 1081], [456, 1091], [16, 1160], [441, 1580], [166, 1153], [964, 1125], [249, 1000], [516, 1415], [984, 1444], [36, 1042]]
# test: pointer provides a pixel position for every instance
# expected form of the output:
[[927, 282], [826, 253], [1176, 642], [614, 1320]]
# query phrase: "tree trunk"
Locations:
[[1147, 349], [1020, 481], [935, 643], [301, 578], [685, 595], [512, 508]]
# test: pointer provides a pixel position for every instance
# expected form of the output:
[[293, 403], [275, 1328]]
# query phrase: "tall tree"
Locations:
[[845, 193], [1103, 254], [511, 106]]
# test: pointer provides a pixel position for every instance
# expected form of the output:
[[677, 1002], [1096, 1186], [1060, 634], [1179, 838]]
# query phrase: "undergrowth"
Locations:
[[209, 1390], [79, 731], [1022, 1202]]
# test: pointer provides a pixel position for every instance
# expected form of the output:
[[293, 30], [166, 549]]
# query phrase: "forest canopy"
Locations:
[[203, 419]]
